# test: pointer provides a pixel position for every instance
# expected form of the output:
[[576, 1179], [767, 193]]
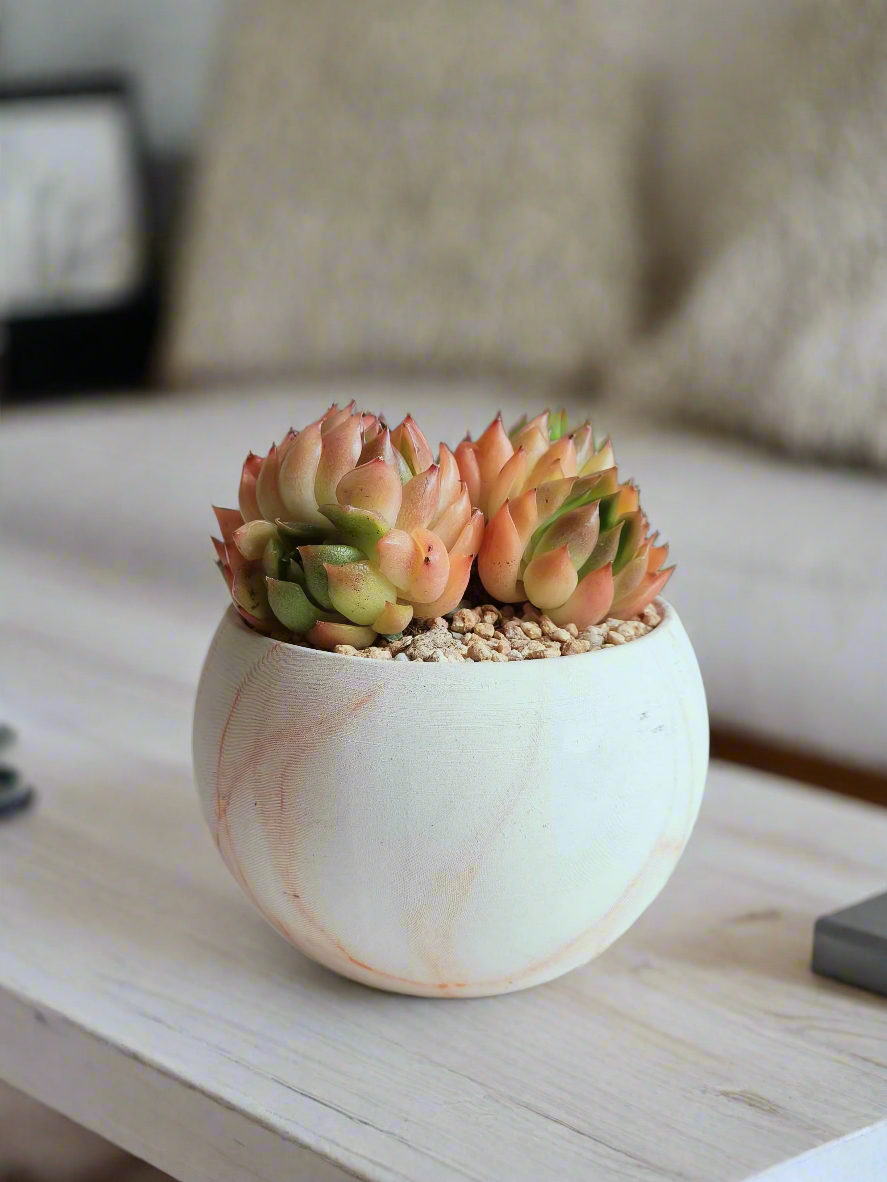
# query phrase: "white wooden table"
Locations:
[[141, 995]]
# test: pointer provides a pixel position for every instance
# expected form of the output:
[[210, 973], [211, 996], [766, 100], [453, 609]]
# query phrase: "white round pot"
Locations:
[[450, 830]]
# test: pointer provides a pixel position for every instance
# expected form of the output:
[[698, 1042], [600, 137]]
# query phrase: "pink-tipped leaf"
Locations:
[[590, 602], [550, 579]]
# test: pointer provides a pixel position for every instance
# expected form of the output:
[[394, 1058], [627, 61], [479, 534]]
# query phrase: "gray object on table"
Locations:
[[851, 945]]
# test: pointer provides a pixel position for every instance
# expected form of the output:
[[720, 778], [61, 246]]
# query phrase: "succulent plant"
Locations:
[[347, 529], [562, 532]]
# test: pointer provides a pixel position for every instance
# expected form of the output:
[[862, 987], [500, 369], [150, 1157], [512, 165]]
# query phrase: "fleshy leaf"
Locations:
[[373, 486], [398, 556], [525, 515], [359, 527], [412, 445], [558, 425], [291, 606], [604, 551], [589, 603], [327, 634], [229, 520], [456, 517], [267, 492], [274, 562], [419, 499], [314, 561], [450, 486], [469, 468], [249, 505], [551, 495], [381, 448], [646, 591], [583, 441], [600, 460], [457, 581], [303, 531], [248, 591], [494, 450], [297, 476], [578, 529], [393, 618], [357, 591], [656, 555], [633, 529], [630, 576], [339, 454], [431, 571], [510, 482], [499, 560], [534, 440], [295, 573], [335, 418], [558, 461], [550, 579], [252, 538]]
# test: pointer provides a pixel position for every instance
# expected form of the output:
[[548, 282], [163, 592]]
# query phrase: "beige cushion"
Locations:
[[769, 193], [413, 184]]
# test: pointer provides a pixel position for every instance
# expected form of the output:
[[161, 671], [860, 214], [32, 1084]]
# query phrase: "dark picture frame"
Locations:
[[81, 308]]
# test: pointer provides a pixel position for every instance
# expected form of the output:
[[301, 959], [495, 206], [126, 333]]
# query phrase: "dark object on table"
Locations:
[[15, 794], [78, 301], [851, 945]]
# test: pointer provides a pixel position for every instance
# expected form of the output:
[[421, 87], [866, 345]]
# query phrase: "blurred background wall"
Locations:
[[167, 47]]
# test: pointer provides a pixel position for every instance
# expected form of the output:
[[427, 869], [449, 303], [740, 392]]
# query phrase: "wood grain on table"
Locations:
[[142, 996]]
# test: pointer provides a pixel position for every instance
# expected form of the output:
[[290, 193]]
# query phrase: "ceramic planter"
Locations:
[[450, 830]]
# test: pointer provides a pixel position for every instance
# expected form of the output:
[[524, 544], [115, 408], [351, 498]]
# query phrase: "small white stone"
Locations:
[[613, 637], [531, 629], [347, 650], [651, 615], [479, 650], [572, 647], [464, 620], [401, 657], [499, 657]]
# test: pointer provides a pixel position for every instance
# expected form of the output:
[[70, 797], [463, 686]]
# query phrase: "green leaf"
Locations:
[[604, 551], [292, 607], [248, 590], [313, 558], [274, 562], [359, 527], [294, 572], [359, 592], [302, 532], [632, 536], [557, 425]]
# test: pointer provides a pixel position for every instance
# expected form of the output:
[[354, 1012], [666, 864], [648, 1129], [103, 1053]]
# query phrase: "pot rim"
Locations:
[[665, 626]]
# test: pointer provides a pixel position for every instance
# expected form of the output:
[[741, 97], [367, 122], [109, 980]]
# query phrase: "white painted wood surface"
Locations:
[[141, 995]]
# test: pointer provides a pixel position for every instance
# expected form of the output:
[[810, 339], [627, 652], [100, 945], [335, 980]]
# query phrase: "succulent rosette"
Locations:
[[562, 532], [347, 529]]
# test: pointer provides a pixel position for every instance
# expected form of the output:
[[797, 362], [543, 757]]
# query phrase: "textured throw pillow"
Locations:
[[770, 203], [436, 184]]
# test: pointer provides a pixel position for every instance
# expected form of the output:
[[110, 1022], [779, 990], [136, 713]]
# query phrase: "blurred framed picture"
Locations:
[[76, 297]]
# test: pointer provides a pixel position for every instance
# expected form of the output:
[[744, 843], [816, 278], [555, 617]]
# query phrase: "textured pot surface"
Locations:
[[450, 829]]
